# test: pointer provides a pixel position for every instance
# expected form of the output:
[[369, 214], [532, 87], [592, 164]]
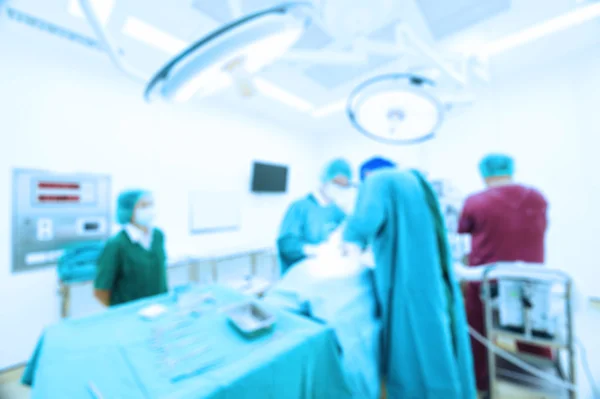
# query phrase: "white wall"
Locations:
[[65, 108]]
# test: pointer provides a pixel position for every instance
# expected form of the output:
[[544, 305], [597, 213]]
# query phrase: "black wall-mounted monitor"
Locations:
[[269, 178]]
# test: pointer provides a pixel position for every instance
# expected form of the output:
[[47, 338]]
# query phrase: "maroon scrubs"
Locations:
[[507, 224]]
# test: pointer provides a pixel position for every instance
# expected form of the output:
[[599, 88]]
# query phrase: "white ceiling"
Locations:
[[449, 27]]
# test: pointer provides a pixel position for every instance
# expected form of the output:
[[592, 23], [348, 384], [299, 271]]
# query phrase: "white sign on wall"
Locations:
[[214, 211]]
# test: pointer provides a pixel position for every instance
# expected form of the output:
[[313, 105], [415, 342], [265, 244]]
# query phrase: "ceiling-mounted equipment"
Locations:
[[44, 26], [575, 17], [363, 17], [232, 54], [396, 109]]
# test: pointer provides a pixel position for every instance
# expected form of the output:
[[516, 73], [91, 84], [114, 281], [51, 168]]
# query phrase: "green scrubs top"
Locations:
[[131, 272]]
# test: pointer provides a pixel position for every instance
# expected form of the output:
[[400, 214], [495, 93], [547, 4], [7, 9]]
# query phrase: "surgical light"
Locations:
[[396, 109], [232, 54]]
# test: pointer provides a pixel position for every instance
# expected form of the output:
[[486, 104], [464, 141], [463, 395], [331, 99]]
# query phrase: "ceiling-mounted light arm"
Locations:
[[359, 54], [105, 40], [404, 32], [235, 7], [479, 66], [326, 57], [471, 66], [361, 49], [369, 46], [457, 98]]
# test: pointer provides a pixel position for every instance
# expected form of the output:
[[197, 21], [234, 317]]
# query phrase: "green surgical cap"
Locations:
[[126, 203], [335, 168], [494, 165]]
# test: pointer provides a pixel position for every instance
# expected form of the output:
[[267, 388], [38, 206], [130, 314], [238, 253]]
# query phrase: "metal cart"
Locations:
[[530, 304]]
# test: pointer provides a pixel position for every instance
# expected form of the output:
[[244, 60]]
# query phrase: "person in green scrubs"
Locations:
[[133, 263]]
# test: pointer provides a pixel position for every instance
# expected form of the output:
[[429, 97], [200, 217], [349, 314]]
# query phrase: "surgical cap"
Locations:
[[126, 203], [374, 164], [494, 165], [335, 168]]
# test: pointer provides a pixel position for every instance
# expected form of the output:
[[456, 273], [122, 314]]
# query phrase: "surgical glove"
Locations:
[[329, 263], [335, 238], [351, 250], [463, 273], [368, 259], [325, 250], [310, 250]]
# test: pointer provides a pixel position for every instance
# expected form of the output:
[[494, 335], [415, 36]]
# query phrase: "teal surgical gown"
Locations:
[[426, 352], [305, 222]]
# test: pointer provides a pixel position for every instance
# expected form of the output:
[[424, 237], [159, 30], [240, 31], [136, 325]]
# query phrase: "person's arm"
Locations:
[[160, 235], [466, 222], [369, 214], [103, 296], [290, 243], [544, 210], [106, 272]]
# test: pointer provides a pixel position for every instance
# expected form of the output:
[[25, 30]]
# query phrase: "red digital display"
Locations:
[[58, 198], [59, 186]]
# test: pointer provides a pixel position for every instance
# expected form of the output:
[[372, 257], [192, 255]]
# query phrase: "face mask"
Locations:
[[332, 191], [144, 216], [347, 200], [344, 197]]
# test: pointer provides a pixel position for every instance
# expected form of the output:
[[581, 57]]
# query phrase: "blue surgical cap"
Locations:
[[126, 203], [335, 168], [494, 165], [374, 164]]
